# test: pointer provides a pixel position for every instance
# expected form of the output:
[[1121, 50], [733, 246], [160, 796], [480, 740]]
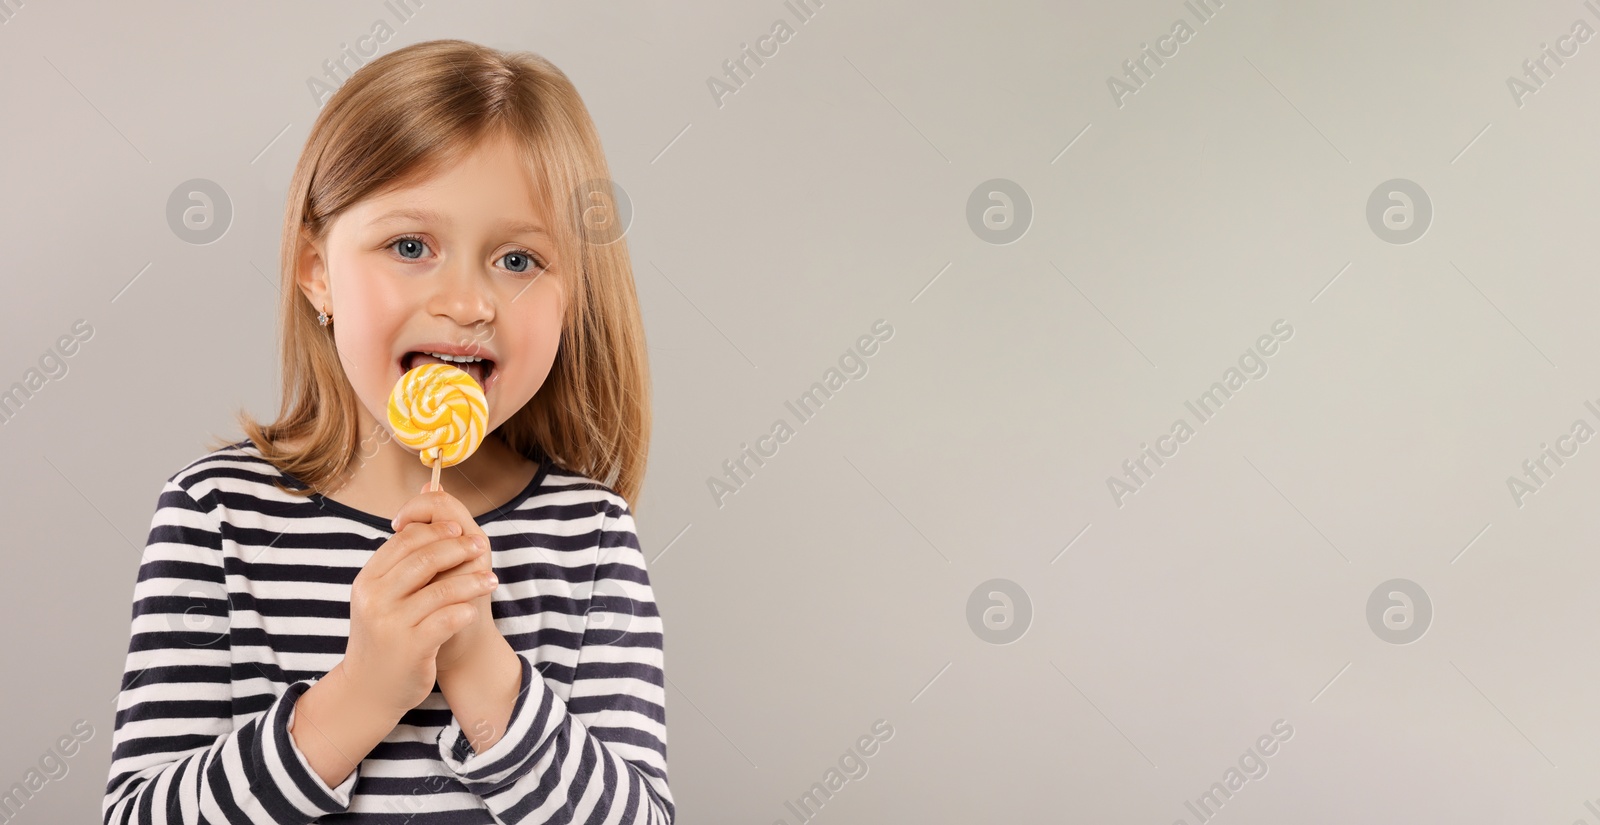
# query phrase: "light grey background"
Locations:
[[1167, 634]]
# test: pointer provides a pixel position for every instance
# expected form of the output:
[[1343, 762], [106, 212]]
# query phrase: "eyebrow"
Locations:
[[425, 216]]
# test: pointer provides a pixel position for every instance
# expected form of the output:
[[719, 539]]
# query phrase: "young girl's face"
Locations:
[[454, 264]]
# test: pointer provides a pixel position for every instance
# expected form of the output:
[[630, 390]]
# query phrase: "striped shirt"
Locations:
[[242, 602]]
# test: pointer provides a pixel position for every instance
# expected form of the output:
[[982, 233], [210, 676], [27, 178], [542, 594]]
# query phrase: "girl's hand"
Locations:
[[400, 614], [440, 507]]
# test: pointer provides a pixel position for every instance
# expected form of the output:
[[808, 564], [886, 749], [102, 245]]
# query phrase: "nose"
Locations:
[[462, 293]]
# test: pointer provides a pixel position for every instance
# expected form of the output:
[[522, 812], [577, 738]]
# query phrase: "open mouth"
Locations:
[[482, 370]]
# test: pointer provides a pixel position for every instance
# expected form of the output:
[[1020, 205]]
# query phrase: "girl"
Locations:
[[316, 635]]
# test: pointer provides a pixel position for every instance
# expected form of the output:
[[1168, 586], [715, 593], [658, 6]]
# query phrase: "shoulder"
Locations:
[[574, 495], [237, 467], [600, 523]]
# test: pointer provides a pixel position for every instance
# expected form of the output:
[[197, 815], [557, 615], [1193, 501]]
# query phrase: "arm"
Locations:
[[483, 691], [335, 728], [176, 756], [601, 754]]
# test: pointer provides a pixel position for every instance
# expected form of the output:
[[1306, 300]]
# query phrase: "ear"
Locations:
[[311, 274]]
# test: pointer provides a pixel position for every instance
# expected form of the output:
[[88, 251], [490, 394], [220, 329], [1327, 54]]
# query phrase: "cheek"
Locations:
[[538, 337], [371, 311], [546, 328], [538, 313], [366, 324], [537, 347]]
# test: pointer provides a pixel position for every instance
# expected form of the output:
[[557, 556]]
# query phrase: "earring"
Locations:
[[324, 318]]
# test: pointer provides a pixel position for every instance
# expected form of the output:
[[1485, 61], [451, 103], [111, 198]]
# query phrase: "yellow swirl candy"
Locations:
[[440, 411]]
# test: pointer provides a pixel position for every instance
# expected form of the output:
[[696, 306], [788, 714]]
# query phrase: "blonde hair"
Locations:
[[398, 119]]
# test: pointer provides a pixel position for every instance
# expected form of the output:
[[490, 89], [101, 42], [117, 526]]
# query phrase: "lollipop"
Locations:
[[439, 411]]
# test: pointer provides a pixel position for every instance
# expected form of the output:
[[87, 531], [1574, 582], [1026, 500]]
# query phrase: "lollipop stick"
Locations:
[[437, 465]]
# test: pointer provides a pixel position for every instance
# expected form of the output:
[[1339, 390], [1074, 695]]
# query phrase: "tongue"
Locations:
[[474, 368]]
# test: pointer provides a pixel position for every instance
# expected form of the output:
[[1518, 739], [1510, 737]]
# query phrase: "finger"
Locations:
[[445, 622], [434, 506], [480, 563], [406, 542], [428, 505], [423, 565], [442, 594]]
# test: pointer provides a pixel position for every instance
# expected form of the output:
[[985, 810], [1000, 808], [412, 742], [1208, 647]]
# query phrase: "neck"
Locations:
[[384, 469]]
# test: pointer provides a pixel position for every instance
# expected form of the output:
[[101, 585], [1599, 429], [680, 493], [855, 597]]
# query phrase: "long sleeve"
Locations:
[[599, 756], [176, 755]]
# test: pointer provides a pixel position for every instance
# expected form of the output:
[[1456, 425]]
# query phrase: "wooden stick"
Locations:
[[438, 464]]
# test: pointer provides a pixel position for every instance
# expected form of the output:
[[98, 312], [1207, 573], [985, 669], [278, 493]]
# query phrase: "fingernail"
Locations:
[[480, 542], [491, 580]]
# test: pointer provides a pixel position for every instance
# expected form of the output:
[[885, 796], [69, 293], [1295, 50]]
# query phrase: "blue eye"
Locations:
[[531, 263], [528, 262], [408, 239]]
